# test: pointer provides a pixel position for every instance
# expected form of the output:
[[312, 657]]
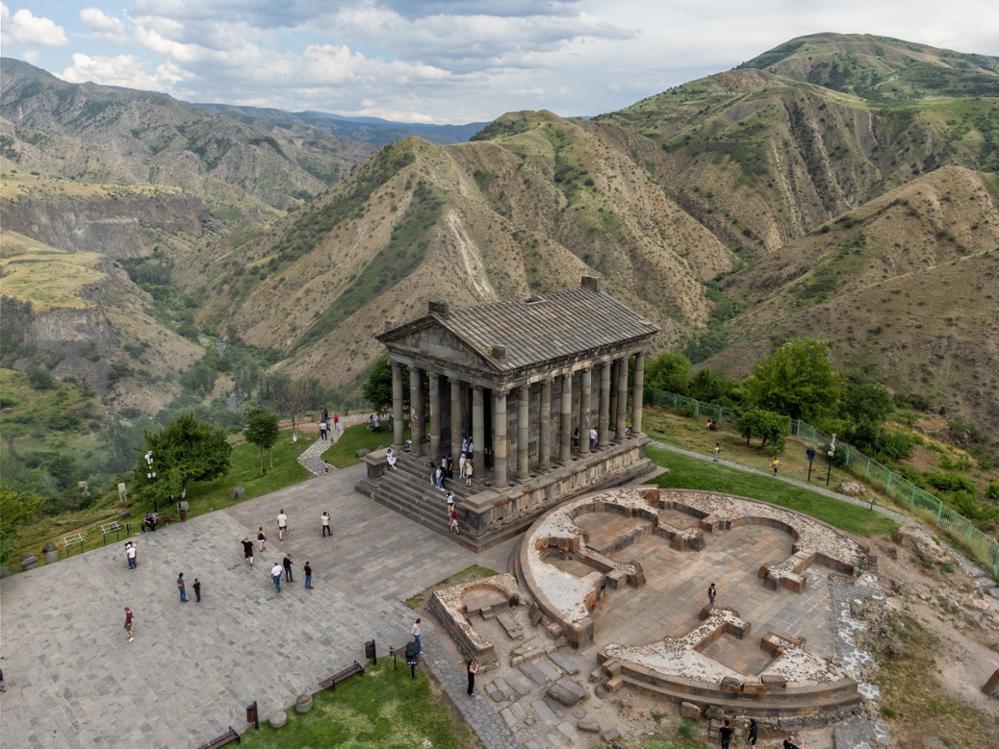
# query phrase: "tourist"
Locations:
[[391, 458], [262, 538], [378, 423], [371, 422], [717, 457], [791, 743], [433, 474], [469, 471], [150, 521], [322, 430], [593, 438], [416, 636], [247, 550], [129, 620], [472, 667], [462, 459], [449, 467], [336, 422], [276, 576], [181, 588], [453, 521], [751, 734], [725, 733], [775, 465], [130, 554], [286, 563], [326, 415], [464, 445], [197, 590], [712, 593], [325, 521], [308, 575], [439, 478], [389, 422], [3, 686], [282, 521], [575, 439], [450, 501]]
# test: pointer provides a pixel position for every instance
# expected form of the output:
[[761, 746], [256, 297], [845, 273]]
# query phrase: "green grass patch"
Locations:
[[685, 736], [692, 473], [383, 709], [344, 452], [475, 572]]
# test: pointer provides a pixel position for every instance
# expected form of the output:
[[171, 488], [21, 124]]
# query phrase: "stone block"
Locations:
[[611, 735], [650, 495], [689, 710], [597, 675], [600, 691], [753, 688], [278, 718], [362, 451], [615, 578], [51, 556], [486, 612], [773, 681], [731, 684], [534, 615], [991, 687], [794, 582], [554, 630], [303, 703], [713, 712], [588, 726], [237, 492], [615, 684], [564, 663], [567, 691], [29, 561]]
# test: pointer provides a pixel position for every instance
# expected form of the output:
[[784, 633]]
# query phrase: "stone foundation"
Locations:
[[452, 609]]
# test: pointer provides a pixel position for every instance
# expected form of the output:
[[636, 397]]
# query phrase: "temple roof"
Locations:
[[517, 333]]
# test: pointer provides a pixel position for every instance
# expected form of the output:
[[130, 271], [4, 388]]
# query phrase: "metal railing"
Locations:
[[982, 547]]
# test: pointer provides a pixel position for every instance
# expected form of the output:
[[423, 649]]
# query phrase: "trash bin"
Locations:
[[182, 508], [251, 713], [369, 652]]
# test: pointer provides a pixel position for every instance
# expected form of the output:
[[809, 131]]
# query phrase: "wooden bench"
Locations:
[[226, 738], [113, 527], [338, 678], [73, 539]]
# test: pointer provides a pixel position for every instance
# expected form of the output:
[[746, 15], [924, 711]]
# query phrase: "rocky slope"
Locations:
[[105, 134]]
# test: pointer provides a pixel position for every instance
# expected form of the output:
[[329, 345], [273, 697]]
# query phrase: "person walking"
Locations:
[[593, 438], [325, 522], [725, 734], [416, 636], [472, 667], [129, 621], [453, 521], [717, 456], [336, 422], [775, 465], [751, 733], [131, 554], [308, 575], [462, 459], [469, 472], [276, 576], [287, 568], [450, 502], [282, 521], [181, 588], [790, 742], [197, 590], [322, 430], [247, 550], [262, 538], [712, 593]]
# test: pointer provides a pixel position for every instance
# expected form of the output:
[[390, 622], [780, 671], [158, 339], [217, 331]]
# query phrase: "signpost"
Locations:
[[810, 454], [830, 455]]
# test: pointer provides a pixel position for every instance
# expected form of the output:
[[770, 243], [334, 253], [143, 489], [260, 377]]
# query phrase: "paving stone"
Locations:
[[565, 663], [579, 713], [600, 691], [520, 685], [532, 672], [567, 691], [518, 711], [566, 729], [588, 727], [507, 715], [611, 734], [548, 669], [544, 712]]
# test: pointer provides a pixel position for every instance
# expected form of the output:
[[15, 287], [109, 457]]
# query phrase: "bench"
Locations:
[[162, 519], [73, 539], [226, 738], [112, 527], [338, 678]]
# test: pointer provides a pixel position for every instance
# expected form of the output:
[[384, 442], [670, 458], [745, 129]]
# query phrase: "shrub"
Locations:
[[771, 428], [39, 378]]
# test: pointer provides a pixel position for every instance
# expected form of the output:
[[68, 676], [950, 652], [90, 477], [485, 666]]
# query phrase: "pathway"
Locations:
[[311, 457]]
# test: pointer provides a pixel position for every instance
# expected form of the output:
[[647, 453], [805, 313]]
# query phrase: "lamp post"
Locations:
[[810, 454], [830, 455], [151, 475]]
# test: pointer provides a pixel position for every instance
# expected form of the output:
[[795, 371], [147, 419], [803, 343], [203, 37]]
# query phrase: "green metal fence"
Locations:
[[984, 548]]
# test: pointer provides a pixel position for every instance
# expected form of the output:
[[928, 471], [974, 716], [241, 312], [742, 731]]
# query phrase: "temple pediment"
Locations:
[[430, 339]]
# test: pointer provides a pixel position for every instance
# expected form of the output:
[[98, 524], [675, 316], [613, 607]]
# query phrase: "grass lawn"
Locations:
[[691, 473], [382, 709], [204, 496], [344, 452], [475, 572]]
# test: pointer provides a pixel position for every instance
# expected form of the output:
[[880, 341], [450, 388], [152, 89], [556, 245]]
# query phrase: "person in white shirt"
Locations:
[[450, 502], [130, 554], [325, 520], [282, 521], [593, 437], [276, 576], [416, 636], [391, 458], [461, 465]]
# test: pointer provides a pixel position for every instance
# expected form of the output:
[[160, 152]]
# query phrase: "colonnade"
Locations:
[[575, 413]]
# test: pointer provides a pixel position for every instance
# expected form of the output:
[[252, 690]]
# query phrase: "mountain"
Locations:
[[113, 135], [877, 67], [736, 211], [372, 130]]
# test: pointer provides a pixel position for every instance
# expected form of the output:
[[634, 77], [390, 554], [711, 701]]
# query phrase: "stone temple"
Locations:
[[526, 380]]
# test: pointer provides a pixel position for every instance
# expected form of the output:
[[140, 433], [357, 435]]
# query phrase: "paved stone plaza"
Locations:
[[73, 679]]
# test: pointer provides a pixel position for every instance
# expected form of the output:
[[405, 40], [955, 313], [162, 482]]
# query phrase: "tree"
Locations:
[[185, 450], [293, 398], [771, 428], [16, 508], [670, 371], [796, 380], [378, 387], [262, 431], [867, 403]]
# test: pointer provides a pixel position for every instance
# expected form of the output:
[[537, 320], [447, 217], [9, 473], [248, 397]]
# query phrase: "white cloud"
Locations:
[[23, 27], [102, 25], [121, 70]]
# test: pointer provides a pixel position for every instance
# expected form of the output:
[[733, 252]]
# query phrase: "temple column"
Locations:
[[478, 432], [565, 430], [499, 439], [523, 432], [638, 393], [603, 439], [435, 417], [584, 412], [622, 399], [416, 410], [545, 433], [455, 418], [398, 424]]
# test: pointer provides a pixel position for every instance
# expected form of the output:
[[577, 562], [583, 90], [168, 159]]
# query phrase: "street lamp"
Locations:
[[830, 455], [810, 454], [151, 474]]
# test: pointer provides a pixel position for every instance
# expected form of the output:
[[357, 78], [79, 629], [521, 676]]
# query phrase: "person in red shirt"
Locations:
[[129, 618]]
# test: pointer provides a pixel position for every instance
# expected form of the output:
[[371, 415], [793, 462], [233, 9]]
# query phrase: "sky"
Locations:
[[445, 61]]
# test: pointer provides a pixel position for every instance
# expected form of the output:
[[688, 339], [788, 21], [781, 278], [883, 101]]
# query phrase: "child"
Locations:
[[717, 452], [453, 521]]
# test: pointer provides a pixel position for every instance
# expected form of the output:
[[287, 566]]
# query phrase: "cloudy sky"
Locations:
[[445, 61]]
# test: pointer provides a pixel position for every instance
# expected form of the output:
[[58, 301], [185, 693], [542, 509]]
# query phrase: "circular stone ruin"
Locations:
[[625, 573]]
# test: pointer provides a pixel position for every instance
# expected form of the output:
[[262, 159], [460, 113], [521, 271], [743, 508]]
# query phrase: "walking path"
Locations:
[[311, 457], [971, 567]]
